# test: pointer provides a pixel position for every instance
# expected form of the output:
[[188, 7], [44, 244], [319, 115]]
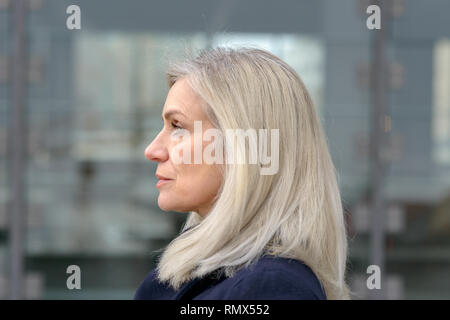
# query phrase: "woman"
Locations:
[[249, 235]]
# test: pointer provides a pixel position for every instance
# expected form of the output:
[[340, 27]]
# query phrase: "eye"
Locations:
[[175, 126]]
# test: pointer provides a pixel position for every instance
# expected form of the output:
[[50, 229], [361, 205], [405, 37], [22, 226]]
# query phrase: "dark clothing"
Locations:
[[269, 278]]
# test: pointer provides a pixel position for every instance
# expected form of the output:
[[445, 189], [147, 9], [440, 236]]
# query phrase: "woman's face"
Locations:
[[190, 186]]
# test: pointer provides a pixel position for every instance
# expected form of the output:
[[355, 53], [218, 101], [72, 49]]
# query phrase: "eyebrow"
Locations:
[[171, 112]]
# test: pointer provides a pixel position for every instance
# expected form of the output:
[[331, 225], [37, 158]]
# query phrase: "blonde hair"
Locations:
[[296, 213]]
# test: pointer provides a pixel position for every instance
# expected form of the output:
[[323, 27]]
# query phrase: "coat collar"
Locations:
[[197, 285]]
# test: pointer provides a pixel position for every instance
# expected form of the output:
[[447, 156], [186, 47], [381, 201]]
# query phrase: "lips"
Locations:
[[160, 177], [162, 180]]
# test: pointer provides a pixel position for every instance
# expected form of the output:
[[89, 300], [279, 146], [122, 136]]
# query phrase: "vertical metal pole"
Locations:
[[378, 143], [17, 136]]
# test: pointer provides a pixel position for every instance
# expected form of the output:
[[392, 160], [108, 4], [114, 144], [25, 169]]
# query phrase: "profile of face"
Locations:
[[183, 187]]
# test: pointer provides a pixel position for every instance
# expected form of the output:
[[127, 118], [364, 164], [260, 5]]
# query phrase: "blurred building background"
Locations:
[[92, 102]]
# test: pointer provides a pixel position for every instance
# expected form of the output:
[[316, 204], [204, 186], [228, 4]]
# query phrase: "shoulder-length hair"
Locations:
[[297, 212]]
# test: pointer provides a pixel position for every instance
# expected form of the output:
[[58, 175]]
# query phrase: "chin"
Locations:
[[167, 204], [164, 205]]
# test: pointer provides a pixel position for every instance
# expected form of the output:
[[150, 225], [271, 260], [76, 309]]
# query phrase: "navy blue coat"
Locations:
[[269, 278]]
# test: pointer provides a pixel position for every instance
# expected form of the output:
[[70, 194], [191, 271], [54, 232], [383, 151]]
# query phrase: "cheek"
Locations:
[[195, 183], [195, 177], [198, 184]]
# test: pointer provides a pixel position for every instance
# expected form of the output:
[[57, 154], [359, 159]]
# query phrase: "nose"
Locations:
[[156, 151]]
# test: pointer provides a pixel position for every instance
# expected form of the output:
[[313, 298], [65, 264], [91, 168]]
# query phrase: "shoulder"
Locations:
[[279, 278], [274, 278], [152, 288]]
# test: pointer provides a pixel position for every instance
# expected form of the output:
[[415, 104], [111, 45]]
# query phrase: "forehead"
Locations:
[[183, 99]]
